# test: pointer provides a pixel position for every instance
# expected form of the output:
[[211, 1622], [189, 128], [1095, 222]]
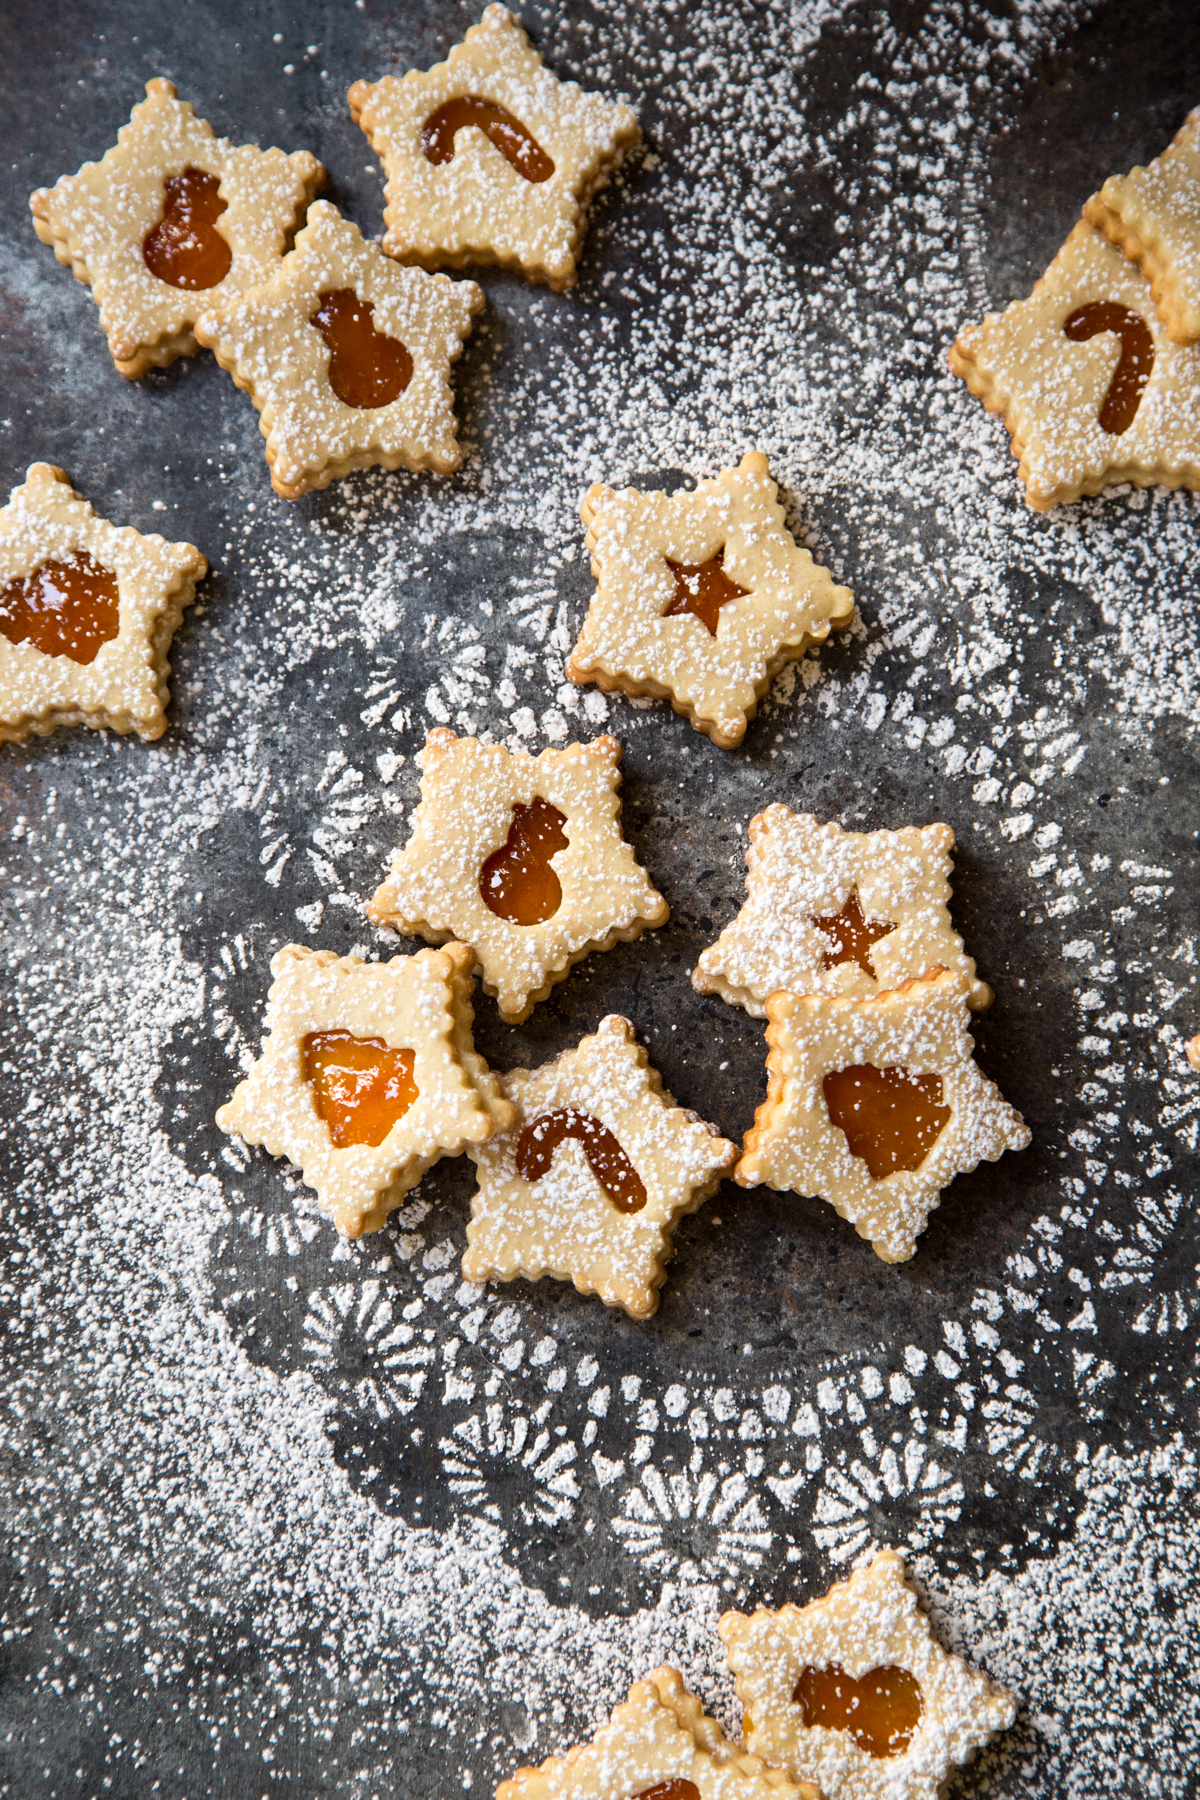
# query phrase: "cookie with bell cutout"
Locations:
[[489, 157], [588, 1182], [829, 911], [87, 614], [171, 221], [855, 1693], [346, 357], [875, 1106], [368, 1076], [1152, 215], [703, 597], [1086, 379], [658, 1745], [522, 857]]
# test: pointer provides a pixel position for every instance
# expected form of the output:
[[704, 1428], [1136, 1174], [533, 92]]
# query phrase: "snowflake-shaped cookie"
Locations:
[[1088, 383], [876, 1105], [1153, 216], [587, 1184], [801, 1670], [347, 357], [489, 157], [703, 597], [540, 836], [337, 1028], [173, 195], [87, 614], [829, 911], [659, 1745]]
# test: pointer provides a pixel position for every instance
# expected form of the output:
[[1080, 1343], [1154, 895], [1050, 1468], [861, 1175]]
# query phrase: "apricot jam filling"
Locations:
[[1136, 364], [516, 882], [609, 1163], [505, 133], [366, 367], [891, 1119], [881, 1709], [678, 1789], [69, 608], [851, 936], [702, 589], [360, 1086], [186, 249]]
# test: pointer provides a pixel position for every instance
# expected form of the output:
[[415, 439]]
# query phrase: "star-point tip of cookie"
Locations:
[[1152, 215]]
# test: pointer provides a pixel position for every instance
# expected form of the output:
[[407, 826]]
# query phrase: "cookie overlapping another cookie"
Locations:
[[1152, 215]]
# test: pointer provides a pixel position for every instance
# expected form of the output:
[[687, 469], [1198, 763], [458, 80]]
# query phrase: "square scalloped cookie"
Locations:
[[1090, 386], [441, 1097], [875, 1106], [87, 614], [829, 911], [1152, 215], [347, 357], [214, 217], [489, 157], [703, 597]]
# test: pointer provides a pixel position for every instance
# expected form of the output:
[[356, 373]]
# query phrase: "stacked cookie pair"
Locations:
[[1097, 373], [848, 1698], [344, 348]]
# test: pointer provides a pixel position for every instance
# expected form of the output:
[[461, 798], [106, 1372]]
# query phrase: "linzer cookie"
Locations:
[[1090, 386], [853, 1692], [521, 857], [489, 157], [87, 614], [703, 597], [589, 1181], [172, 220], [368, 1075], [829, 911], [876, 1105], [347, 357], [1153, 216], [658, 1745]]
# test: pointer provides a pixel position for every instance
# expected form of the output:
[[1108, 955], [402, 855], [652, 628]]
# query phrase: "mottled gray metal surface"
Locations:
[[779, 1289]]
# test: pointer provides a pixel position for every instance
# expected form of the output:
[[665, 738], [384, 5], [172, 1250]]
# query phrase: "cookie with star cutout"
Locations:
[[829, 911], [172, 221], [702, 597], [1152, 215], [489, 157]]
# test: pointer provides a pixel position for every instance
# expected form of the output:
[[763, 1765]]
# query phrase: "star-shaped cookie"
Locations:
[[876, 1105], [489, 157], [589, 1180], [347, 357], [1087, 381], [87, 614], [368, 1075], [521, 857], [854, 1693], [1153, 216], [829, 911], [703, 597], [659, 1745], [171, 221]]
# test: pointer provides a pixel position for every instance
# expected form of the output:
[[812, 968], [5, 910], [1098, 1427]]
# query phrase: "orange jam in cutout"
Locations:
[[185, 249], [880, 1711], [360, 1085], [670, 1790], [702, 589], [65, 608], [609, 1163], [853, 937], [1132, 372], [891, 1119], [516, 882], [516, 145], [366, 367]]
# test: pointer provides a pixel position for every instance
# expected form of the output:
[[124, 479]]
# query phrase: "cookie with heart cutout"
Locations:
[[854, 1692], [87, 614], [1152, 215], [876, 1105]]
